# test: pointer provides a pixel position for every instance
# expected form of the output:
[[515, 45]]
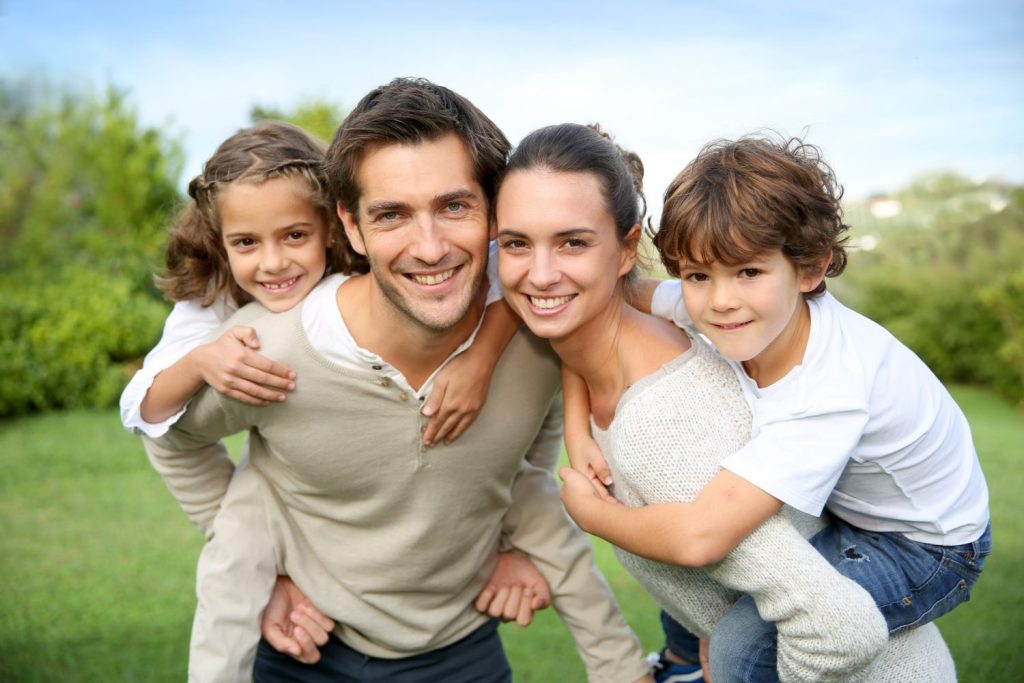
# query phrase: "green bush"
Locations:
[[953, 292], [85, 195]]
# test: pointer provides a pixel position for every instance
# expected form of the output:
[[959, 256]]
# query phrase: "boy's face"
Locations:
[[753, 312]]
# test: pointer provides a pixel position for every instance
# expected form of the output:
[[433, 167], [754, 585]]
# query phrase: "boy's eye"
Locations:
[[695, 277], [750, 272]]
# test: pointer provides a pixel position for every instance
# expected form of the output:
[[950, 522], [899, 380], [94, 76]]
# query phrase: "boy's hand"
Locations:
[[232, 366], [293, 625], [515, 590], [459, 392], [589, 461], [580, 497]]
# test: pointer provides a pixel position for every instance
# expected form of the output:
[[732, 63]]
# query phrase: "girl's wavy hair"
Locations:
[[575, 148], [741, 198], [196, 262]]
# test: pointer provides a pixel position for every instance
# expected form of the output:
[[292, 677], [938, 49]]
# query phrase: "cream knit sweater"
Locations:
[[671, 429]]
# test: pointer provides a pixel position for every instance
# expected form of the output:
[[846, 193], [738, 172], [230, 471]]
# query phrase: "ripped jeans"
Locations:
[[912, 584]]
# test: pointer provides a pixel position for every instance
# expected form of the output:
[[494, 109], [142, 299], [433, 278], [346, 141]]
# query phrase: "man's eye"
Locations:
[[455, 207]]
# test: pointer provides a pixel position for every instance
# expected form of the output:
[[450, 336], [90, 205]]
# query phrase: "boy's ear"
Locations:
[[355, 237], [630, 244], [811, 276]]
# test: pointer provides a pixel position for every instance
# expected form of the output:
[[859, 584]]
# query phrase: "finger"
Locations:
[[450, 420], [245, 398], [511, 609], [253, 391], [497, 606], [484, 599], [324, 621], [435, 400], [261, 369], [246, 335], [316, 632], [601, 469], [310, 651], [277, 638], [525, 615], [462, 425]]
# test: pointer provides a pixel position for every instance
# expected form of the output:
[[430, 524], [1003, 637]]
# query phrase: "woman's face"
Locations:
[[560, 258]]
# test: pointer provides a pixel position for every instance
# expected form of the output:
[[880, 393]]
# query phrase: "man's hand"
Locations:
[[515, 590], [291, 624]]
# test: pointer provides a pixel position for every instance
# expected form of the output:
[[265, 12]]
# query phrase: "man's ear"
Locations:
[[630, 244], [355, 236]]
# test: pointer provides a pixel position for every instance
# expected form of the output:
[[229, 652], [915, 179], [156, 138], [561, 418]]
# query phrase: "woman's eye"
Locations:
[[575, 243], [512, 244]]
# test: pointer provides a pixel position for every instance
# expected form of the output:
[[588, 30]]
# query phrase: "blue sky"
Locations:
[[888, 90]]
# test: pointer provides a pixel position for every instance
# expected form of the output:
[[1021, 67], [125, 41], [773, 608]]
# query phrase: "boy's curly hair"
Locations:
[[741, 198]]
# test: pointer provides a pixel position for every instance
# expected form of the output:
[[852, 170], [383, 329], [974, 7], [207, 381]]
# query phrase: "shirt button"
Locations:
[[377, 367], [403, 396], [384, 381]]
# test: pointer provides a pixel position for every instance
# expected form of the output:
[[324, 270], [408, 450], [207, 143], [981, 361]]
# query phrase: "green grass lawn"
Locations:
[[97, 562]]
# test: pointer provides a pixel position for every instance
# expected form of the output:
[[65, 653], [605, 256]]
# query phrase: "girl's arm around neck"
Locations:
[[460, 389], [687, 534]]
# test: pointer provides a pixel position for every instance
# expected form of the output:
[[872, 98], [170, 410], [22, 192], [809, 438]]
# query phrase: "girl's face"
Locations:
[[560, 257], [275, 239]]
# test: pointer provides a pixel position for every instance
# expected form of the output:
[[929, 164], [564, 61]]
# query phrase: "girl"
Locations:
[[260, 227], [667, 409]]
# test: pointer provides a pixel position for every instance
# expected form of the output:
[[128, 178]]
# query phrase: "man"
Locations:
[[391, 539]]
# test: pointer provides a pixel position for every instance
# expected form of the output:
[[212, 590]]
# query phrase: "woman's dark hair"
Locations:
[[573, 148]]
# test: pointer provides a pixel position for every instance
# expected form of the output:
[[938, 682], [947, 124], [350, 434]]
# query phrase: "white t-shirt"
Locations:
[[862, 427], [190, 324]]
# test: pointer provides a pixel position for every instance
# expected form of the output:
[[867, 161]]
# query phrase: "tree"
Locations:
[[85, 195], [319, 117]]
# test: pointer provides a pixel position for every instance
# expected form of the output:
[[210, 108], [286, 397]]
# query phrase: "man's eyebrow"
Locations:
[[455, 195], [384, 206]]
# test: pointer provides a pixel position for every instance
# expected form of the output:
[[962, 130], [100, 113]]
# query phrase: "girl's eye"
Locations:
[[243, 242], [296, 235]]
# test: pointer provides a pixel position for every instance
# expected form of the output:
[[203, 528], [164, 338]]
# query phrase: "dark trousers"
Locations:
[[477, 658]]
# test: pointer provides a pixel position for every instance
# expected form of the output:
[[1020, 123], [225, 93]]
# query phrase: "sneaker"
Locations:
[[667, 671]]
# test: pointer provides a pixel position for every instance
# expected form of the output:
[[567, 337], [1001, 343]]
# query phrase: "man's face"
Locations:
[[422, 224]]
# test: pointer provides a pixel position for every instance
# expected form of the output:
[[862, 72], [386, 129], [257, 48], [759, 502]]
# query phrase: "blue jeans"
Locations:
[[477, 658], [912, 584]]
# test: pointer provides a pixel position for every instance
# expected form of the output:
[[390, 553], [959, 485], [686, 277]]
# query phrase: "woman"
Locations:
[[665, 408]]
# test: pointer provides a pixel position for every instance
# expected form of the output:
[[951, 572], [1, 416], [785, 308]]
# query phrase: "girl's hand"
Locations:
[[232, 366], [459, 393], [587, 458]]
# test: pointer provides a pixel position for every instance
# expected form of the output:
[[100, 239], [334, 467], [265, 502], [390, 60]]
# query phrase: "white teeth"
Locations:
[[549, 302], [279, 285], [435, 279]]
